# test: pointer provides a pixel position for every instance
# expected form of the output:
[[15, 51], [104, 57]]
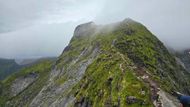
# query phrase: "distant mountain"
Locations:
[[184, 57], [7, 67], [25, 61], [116, 65], [33, 60], [10, 66]]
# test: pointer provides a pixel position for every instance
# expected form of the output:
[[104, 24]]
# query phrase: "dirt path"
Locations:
[[154, 87], [158, 97], [166, 102]]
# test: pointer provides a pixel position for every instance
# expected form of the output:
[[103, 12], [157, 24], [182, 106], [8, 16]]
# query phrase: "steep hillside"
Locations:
[[20, 88], [11, 66], [121, 64], [7, 67]]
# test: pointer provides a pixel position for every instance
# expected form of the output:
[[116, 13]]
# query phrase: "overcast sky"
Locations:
[[35, 28]]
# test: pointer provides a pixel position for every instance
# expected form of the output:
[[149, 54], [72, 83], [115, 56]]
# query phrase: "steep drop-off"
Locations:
[[116, 65]]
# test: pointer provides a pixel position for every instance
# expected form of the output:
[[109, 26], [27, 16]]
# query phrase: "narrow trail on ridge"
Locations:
[[144, 76]]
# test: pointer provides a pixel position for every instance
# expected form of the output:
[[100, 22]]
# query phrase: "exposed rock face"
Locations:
[[52, 94], [131, 100], [23, 82]]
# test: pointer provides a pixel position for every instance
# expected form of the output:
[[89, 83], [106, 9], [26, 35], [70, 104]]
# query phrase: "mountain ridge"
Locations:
[[120, 64]]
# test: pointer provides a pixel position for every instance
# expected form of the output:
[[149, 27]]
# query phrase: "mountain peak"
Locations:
[[128, 20], [90, 28], [85, 29]]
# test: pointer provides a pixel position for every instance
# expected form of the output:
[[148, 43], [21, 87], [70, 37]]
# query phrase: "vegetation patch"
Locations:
[[24, 98]]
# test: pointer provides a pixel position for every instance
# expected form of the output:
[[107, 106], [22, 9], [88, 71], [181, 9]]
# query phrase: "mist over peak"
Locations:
[[45, 27]]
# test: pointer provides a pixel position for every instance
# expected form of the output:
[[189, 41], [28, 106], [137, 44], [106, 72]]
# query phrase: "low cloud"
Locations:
[[44, 27]]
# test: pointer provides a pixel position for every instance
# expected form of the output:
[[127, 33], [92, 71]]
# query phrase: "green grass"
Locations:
[[42, 69], [96, 87], [146, 51]]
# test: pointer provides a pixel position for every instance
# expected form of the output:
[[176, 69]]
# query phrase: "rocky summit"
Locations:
[[116, 65]]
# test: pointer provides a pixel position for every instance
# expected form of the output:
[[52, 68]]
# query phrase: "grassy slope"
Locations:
[[146, 51], [106, 83], [24, 98]]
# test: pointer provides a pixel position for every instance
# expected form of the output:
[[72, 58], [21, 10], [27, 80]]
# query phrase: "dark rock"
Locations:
[[76, 93], [67, 48], [83, 102], [33, 74], [110, 79], [129, 32], [131, 100], [108, 102]]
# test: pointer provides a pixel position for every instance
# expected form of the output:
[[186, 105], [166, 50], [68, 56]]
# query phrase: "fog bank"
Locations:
[[36, 28]]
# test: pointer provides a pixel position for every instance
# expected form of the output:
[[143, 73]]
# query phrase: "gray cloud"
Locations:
[[44, 27], [167, 19]]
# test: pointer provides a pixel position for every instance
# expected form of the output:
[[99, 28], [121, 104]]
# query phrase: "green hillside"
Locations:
[[116, 65], [126, 54], [40, 73]]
